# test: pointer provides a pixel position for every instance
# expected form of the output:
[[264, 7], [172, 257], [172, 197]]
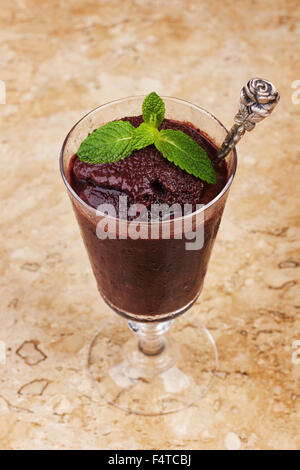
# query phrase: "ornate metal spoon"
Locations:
[[258, 99]]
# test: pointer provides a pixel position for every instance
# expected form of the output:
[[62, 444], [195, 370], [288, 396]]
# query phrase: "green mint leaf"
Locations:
[[153, 110], [182, 150], [110, 143], [145, 135]]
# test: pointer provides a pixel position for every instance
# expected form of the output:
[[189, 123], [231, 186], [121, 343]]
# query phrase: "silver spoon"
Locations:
[[258, 99]]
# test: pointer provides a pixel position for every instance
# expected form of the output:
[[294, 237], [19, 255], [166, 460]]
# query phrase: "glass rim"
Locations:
[[161, 222]]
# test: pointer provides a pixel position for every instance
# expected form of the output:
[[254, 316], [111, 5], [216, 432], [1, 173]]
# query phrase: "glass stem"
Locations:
[[152, 341]]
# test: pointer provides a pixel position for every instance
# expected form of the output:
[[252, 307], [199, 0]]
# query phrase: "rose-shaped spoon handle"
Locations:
[[258, 99]]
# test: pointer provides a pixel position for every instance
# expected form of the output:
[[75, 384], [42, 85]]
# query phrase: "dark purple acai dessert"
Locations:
[[149, 279]]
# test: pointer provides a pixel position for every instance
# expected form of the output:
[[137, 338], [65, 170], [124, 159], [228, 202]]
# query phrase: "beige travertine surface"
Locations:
[[59, 60]]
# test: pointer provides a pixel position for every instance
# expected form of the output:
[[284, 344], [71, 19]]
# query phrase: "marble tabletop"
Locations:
[[58, 60]]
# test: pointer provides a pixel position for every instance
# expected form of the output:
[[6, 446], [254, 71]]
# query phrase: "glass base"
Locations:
[[176, 376]]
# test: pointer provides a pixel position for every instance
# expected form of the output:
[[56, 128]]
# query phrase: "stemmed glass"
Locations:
[[149, 281]]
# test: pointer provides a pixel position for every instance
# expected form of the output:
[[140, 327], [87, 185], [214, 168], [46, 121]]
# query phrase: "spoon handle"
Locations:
[[257, 100]]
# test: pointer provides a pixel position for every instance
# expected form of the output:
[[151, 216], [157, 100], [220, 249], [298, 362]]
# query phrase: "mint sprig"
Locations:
[[118, 139]]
